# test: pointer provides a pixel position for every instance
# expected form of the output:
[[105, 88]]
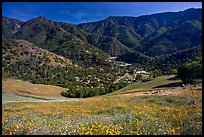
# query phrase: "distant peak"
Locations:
[[110, 17], [8, 18], [115, 17], [41, 17], [190, 9]]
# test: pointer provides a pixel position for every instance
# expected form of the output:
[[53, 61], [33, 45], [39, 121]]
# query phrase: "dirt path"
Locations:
[[126, 74]]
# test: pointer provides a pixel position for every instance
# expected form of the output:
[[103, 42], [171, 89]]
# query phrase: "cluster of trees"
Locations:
[[82, 93], [155, 73], [92, 91]]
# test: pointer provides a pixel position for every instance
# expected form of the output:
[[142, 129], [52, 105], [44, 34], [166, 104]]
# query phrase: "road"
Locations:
[[126, 74]]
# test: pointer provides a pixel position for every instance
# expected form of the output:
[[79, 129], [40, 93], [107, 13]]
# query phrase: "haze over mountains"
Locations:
[[163, 40]]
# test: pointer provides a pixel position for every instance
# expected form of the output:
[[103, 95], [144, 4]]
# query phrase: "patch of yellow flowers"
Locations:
[[97, 128]]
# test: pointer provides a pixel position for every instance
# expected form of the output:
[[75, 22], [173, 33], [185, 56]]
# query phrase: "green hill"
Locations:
[[46, 34], [162, 81]]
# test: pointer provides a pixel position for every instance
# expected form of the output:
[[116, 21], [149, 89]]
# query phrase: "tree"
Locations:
[[173, 71], [191, 72], [156, 73]]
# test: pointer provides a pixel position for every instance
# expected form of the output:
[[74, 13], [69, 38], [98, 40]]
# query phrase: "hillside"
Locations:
[[15, 51], [117, 27], [159, 82], [14, 90], [164, 62], [24, 60], [25, 87], [44, 33], [26, 50], [173, 111], [184, 36], [134, 29]]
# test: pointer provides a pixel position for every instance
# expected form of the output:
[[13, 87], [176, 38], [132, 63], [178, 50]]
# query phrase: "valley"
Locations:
[[122, 75]]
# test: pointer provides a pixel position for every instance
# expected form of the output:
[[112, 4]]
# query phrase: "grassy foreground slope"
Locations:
[[177, 112], [14, 90], [157, 83], [15, 85]]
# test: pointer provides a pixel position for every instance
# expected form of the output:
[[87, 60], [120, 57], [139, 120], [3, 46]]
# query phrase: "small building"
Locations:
[[142, 72]]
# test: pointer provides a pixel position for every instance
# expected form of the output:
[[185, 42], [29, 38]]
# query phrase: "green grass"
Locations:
[[141, 86]]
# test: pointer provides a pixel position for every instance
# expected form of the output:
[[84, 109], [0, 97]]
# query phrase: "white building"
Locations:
[[142, 72]]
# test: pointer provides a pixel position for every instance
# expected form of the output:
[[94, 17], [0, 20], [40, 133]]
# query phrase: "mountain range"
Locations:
[[162, 40]]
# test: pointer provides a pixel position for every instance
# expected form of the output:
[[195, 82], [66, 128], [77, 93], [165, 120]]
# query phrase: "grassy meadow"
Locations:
[[14, 90], [158, 83], [175, 113], [15, 85]]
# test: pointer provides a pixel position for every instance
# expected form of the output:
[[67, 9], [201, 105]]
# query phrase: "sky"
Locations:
[[81, 12]]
